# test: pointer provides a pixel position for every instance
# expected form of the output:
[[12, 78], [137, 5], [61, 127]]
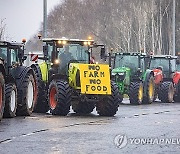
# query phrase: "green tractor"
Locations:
[[17, 82], [66, 78], [130, 74]]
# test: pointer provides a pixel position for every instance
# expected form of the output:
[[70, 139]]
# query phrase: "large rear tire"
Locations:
[[177, 93], [166, 92], [108, 104], [2, 95], [10, 100], [136, 93], [25, 97], [150, 91], [59, 94], [41, 104]]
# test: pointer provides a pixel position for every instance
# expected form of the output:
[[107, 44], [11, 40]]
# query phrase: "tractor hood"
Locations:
[[121, 74], [120, 70]]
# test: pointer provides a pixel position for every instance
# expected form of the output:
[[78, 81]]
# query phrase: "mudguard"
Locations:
[[146, 77], [58, 76], [176, 77], [37, 68], [44, 71], [19, 74]]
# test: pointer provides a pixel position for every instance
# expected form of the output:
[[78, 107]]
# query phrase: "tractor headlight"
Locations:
[[85, 43], [56, 61], [113, 74], [64, 42], [89, 43]]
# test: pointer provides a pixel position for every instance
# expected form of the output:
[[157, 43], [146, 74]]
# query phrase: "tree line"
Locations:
[[124, 25]]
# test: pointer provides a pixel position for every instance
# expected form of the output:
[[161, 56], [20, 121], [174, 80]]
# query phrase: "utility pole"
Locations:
[[174, 29], [45, 18]]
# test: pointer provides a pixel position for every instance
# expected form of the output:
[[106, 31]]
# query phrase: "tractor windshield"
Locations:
[[167, 65], [3, 53], [14, 56], [127, 61], [160, 62], [73, 52]]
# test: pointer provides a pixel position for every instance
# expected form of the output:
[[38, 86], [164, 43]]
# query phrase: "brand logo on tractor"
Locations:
[[95, 79]]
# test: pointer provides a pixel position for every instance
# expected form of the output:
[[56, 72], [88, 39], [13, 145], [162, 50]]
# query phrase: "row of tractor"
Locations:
[[68, 77], [144, 78]]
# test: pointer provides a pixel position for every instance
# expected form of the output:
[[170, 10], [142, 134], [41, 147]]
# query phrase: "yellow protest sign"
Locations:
[[95, 79]]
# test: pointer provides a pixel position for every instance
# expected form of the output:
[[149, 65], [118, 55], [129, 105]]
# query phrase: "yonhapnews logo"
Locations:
[[122, 140]]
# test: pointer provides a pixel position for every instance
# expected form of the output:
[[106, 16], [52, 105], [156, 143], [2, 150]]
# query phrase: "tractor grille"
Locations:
[[78, 84], [120, 76]]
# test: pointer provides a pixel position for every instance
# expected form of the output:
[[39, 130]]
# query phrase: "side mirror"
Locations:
[[21, 54], [24, 58], [45, 50], [102, 53]]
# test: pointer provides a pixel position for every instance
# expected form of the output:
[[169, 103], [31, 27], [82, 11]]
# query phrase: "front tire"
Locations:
[[41, 104], [166, 92], [2, 95], [10, 100], [136, 93], [108, 104], [59, 94], [150, 92], [177, 93], [26, 96]]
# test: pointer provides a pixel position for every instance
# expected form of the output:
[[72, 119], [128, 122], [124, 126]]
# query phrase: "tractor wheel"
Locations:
[[25, 96], [10, 101], [136, 93], [150, 91], [59, 97], [166, 92], [156, 92], [41, 104], [2, 95], [83, 107], [177, 94], [108, 104]]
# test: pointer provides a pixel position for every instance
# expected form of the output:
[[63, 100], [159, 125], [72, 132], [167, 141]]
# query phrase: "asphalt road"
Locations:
[[153, 128]]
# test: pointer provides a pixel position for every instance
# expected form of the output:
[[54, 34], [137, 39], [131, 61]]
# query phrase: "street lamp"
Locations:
[[45, 18], [174, 28]]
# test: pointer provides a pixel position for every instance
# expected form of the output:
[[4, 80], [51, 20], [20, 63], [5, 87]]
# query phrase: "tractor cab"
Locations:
[[12, 54], [134, 63], [165, 63], [61, 52]]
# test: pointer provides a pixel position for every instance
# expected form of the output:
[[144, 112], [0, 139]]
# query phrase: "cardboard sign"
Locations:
[[95, 79]]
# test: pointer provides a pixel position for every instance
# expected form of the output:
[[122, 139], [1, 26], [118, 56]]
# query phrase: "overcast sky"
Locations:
[[23, 17]]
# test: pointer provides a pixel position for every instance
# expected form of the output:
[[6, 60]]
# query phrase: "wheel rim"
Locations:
[[171, 93], [35, 92], [30, 94], [53, 102], [140, 93], [151, 90], [1, 93], [13, 101]]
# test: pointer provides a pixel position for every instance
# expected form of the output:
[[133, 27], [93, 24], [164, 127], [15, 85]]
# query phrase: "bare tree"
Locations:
[[2, 29]]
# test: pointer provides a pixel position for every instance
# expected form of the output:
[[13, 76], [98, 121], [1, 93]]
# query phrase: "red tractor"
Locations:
[[167, 79]]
